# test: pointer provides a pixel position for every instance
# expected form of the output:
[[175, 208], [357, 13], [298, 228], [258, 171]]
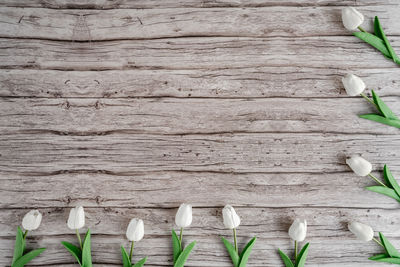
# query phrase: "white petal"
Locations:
[[351, 18]]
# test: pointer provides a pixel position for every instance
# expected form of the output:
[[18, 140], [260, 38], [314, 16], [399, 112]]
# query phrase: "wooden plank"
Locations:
[[195, 53], [326, 228], [91, 116], [91, 25], [142, 4], [127, 152], [257, 82], [169, 189]]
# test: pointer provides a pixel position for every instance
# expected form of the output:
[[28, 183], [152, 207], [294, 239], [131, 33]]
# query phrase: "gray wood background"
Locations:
[[133, 107]]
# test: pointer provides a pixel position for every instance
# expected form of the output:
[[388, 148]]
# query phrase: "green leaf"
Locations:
[[377, 28], [381, 119], [244, 256], [176, 245], [180, 262], [390, 249], [286, 259], [28, 257], [389, 177], [383, 108], [374, 41], [384, 191], [389, 260], [384, 38], [86, 251], [379, 256], [74, 250], [232, 252], [126, 262], [19, 245], [140, 263], [301, 258]]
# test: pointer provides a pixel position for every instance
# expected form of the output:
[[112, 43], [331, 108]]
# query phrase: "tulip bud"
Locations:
[[183, 216], [362, 231], [353, 84], [298, 230], [32, 220], [76, 219], [351, 18], [359, 165], [231, 219], [135, 231]]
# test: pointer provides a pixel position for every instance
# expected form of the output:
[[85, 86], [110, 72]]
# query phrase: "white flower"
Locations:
[[351, 18], [362, 231], [183, 216], [359, 165], [76, 219], [353, 84], [135, 231], [32, 220], [231, 219], [298, 230]]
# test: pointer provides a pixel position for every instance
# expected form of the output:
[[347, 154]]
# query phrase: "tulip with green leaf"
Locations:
[[354, 85], [362, 167], [82, 252], [30, 222], [183, 219], [134, 233], [352, 20], [232, 221], [297, 232], [365, 233]]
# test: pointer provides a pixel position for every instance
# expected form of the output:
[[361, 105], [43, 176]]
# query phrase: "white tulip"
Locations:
[[231, 219], [183, 217], [32, 220], [362, 231], [359, 165], [351, 18], [135, 231], [353, 84], [298, 230], [76, 219]]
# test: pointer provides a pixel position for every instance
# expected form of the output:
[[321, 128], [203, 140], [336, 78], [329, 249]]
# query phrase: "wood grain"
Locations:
[[121, 152], [232, 83], [193, 53], [133, 107], [326, 227], [114, 24]]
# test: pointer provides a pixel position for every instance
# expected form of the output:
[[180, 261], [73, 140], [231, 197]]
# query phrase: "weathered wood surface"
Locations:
[[133, 107]]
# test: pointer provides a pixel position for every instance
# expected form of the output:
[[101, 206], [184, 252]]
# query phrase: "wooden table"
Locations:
[[130, 108]]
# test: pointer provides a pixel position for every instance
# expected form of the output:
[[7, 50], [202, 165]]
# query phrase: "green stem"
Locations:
[[79, 238], [295, 251], [376, 180], [368, 99], [25, 234], [180, 238], [378, 242], [361, 29], [235, 240], [131, 253]]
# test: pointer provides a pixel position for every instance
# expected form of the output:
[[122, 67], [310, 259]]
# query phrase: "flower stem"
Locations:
[[235, 240], [79, 238], [378, 242], [368, 99], [131, 253], [180, 238], [25, 234], [361, 29], [376, 180], [295, 250]]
